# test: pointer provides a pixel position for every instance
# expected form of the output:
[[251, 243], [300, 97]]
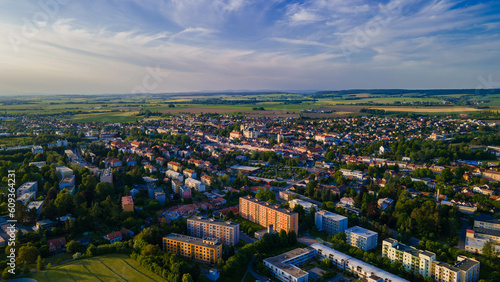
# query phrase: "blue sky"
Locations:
[[127, 46]]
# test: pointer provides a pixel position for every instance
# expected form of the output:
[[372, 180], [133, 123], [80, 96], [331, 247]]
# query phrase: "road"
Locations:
[[463, 234], [255, 274], [247, 238]]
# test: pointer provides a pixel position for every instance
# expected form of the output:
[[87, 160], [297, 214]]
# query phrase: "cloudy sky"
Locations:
[[156, 46]]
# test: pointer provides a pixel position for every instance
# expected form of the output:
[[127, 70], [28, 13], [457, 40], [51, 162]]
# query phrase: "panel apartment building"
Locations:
[[331, 222], [362, 238], [208, 251], [412, 259], [265, 214], [226, 232]]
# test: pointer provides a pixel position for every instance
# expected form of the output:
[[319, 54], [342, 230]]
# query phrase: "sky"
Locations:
[[162, 46]]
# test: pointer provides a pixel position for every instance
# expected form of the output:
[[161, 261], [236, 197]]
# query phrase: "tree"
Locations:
[[230, 214], [150, 250], [187, 278], [104, 189], [28, 254], [40, 263], [64, 202], [91, 250], [489, 250], [73, 246]]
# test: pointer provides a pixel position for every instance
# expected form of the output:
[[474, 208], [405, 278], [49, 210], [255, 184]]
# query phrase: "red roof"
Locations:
[[124, 231], [114, 235], [57, 243]]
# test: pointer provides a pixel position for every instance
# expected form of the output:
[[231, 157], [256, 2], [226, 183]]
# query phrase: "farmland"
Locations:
[[126, 108], [114, 267]]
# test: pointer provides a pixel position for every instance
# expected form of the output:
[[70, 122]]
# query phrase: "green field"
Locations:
[[115, 267]]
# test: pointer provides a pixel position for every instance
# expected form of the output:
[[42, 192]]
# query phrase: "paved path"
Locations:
[[255, 274], [247, 238]]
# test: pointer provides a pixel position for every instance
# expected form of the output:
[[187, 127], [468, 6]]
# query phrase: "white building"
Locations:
[[195, 184], [361, 238], [37, 150], [25, 198], [306, 205], [64, 171], [174, 175], [107, 175], [354, 173], [411, 258], [332, 223], [37, 205], [464, 270], [355, 266], [284, 266], [27, 188]]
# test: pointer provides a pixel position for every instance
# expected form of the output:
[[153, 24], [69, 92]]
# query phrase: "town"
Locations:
[[200, 197]]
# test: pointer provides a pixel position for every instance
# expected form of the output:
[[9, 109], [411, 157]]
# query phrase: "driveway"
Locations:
[[255, 274], [247, 238]]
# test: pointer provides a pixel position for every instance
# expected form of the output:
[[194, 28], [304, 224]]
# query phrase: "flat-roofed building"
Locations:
[[208, 251], [64, 171], [362, 238], [174, 175], [487, 222], [265, 214], [285, 266], [195, 184], [107, 175], [68, 183], [26, 197], [226, 232], [306, 205], [355, 266], [37, 205], [464, 270], [38, 164], [27, 188], [128, 204], [331, 222], [412, 259]]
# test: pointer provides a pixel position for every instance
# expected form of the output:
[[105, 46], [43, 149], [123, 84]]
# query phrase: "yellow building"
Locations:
[[266, 214], [208, 251], [128, 204]]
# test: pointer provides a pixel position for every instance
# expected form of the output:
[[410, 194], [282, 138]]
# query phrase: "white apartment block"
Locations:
[[285, 266], [412, 259], [355, 266], [332, 223], [27, 188], [226, 232], [174, 175], [306, 205], [195, 184], [464, 270], [362, 238]]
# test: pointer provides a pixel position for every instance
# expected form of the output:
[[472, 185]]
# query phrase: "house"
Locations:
[[174, 166], [114, 237], [56, 245], [112, 162], [235, 135], [188, 173], [195, 184], [128, 204], [129, 160], [37, 205], [45, 224], [161, 161], [150, 168], [207, 180], [347, 201], [125, 232], [385, 203]]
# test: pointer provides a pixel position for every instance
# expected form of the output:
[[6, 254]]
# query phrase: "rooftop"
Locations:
[[213, 221], [192, 240], [361, 231], [280, 262], [268, 205], [332, 215]]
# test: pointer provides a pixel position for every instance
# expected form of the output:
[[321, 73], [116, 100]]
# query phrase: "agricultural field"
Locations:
[[115, 267], [125, 108]]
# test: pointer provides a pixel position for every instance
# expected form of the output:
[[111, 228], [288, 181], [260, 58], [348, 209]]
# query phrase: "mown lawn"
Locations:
[[114, 267]]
